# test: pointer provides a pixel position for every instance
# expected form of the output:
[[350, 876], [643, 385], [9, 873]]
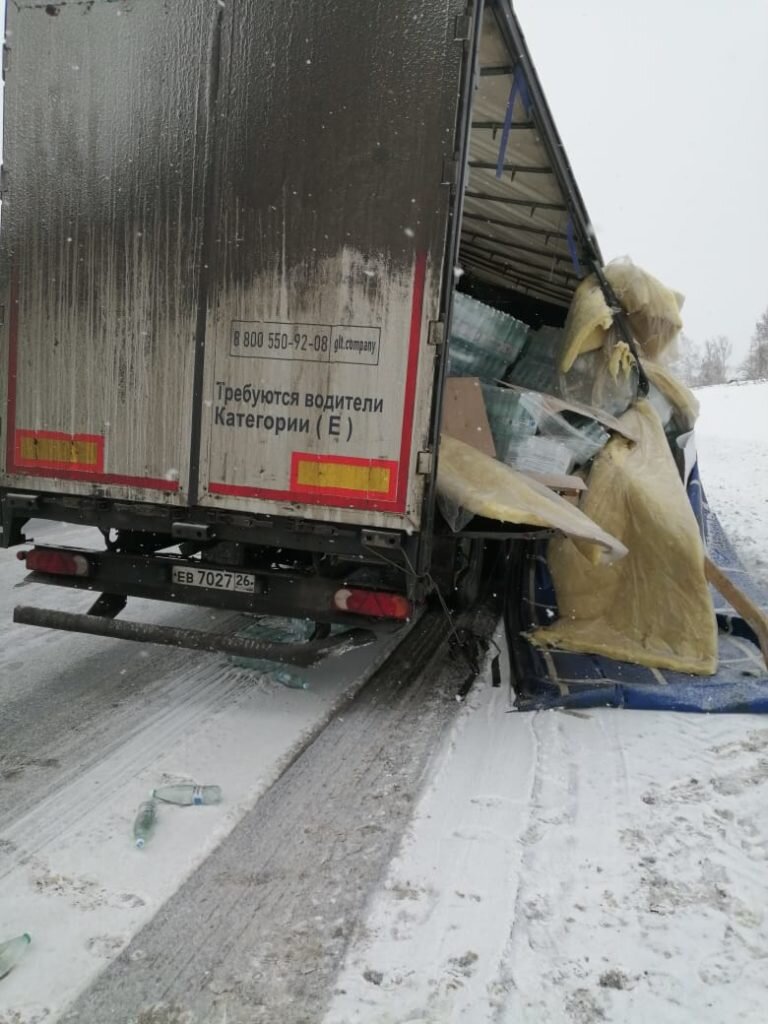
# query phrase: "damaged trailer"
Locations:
[[252, 259]]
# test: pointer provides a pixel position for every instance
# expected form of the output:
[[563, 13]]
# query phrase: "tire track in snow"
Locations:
[[499, 987], [558, 857], [72, 713], [79, 795], [442, 918], [266, 918]]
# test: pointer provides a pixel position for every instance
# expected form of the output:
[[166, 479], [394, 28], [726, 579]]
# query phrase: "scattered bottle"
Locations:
[[186, 794], [272, 670], [145, 822], [12, 951], [290, 680]]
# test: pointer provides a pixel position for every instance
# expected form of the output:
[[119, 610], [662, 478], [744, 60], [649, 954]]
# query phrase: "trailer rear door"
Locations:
[[106, 109], [335, 126]]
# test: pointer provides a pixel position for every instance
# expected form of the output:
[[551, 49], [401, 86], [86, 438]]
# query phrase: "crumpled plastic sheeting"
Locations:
[[608, 376], [605, 378], [516, 416], [589, 317], [483, 486], [653, 309], [653, 607], [510, 417], [684, 403]]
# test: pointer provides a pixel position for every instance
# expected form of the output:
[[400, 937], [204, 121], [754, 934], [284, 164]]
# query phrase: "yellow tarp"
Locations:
[[586, 324], [652, 607], [485, 487], [652, 309]]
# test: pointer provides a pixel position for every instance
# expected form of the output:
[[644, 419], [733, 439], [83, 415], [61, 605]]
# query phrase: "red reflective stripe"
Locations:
[[406, 443], [297, 458], [91, 468], [13, 345]]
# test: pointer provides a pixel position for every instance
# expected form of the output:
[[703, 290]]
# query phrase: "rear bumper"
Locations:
[[276, 592]]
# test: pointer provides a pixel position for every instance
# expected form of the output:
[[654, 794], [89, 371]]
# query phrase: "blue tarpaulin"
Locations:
[[562, 679]]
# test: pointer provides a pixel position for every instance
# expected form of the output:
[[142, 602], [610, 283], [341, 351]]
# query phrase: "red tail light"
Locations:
[[377, 604], [59, 563]]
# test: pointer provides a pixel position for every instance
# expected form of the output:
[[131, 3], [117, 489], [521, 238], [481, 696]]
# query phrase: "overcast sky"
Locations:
[[663, 109]]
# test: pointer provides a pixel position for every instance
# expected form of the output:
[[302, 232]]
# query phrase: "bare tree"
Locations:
[[755, 366], [687, 363], [714, 365]]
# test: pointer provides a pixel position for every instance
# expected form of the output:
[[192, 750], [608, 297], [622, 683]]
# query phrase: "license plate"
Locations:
[[214, 579]]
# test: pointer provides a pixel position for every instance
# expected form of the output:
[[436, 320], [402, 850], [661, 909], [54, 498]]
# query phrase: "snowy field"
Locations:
[[732, 439], [560, 867]]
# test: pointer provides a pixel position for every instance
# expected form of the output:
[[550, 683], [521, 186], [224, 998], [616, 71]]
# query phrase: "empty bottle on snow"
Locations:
[[186, 794], [11, 952], [145, 822], [290, 680]]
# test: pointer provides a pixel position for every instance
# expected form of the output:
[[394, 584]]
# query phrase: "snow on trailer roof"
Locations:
[[524, 224]]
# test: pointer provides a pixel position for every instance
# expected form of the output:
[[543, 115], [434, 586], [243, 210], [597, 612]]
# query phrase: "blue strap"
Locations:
[[571, 238], [519, 88]]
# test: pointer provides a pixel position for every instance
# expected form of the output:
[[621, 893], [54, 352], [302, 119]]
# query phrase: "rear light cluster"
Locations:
[[57, 563], [374, 603]]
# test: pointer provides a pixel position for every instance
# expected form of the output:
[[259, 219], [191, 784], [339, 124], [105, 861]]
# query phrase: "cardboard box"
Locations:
[[464, 415]]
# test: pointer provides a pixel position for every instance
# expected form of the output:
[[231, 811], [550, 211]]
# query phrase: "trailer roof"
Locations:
[[524, 225]]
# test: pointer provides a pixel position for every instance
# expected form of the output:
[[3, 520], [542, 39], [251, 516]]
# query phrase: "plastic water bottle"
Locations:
[[186, 794], [11, 952], [145, 822], [290, 680]]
